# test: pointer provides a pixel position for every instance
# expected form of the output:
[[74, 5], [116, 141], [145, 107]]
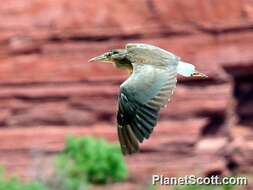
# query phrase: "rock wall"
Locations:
[[48, 88]]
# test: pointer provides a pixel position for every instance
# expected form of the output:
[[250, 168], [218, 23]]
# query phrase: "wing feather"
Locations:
[[142, 95]]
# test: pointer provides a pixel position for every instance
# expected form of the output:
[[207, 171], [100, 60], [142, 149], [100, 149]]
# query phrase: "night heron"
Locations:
[[148, 88]]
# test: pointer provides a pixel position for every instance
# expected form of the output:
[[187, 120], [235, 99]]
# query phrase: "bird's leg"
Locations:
[[188, 70], [198, 74]]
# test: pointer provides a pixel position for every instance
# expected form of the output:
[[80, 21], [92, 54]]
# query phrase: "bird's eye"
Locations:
[[114, 52], [108, 54]]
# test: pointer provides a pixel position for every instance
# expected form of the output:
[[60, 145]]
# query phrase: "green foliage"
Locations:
[[89, 160], [83, 161], [15, 184], [205, 187]]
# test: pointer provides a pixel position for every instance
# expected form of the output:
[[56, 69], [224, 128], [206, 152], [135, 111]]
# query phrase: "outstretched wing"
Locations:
[[141, 97]]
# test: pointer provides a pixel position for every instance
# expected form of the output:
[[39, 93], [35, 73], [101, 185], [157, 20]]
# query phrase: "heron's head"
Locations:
[[112, 56]]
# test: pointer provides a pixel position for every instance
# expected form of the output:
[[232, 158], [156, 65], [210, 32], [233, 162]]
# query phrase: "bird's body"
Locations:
[[148, 89]]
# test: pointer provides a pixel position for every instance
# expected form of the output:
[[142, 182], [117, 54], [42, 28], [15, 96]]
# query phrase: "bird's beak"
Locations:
[[198, 74], [102, 57]]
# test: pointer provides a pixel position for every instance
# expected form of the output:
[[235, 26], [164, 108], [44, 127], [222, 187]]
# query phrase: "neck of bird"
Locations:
[[124, 64]]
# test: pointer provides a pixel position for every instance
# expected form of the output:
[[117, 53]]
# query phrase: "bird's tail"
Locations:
[[127, 139], [188, 70]]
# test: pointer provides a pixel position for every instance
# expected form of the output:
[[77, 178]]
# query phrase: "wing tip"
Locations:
[[128, 142]]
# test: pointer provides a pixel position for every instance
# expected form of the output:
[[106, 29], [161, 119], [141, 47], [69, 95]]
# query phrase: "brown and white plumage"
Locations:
[[146, 91]]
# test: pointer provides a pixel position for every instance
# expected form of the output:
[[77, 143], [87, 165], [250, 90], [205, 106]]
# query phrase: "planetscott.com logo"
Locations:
[[194, 180]]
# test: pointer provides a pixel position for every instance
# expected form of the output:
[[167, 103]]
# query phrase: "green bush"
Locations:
[[15, 184], [89, 160], [83, 161]]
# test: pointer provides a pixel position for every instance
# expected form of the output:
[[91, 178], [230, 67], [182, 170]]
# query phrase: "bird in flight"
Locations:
[[151, 83]]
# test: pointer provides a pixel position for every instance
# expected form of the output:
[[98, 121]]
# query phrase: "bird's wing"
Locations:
[[141, 97], [149, 54]]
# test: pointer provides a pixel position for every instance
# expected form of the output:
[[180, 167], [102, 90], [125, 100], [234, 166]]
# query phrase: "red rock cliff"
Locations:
[[48, 88]]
